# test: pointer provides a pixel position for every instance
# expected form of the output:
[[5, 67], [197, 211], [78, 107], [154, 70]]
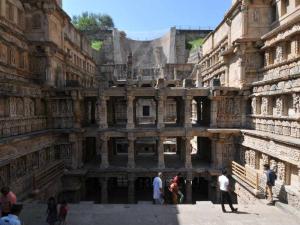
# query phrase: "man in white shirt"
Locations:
[[224, 188], [157, 190]]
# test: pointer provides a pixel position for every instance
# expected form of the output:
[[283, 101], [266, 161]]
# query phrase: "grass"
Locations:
[[97, 45], [191, 45]]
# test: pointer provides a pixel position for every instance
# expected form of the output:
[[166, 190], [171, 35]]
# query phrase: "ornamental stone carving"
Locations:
[[296, 102], [264, 105], [253, 105], [279, 106], [281, 171]]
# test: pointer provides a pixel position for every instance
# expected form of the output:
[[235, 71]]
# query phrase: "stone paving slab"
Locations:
[[201, 214]]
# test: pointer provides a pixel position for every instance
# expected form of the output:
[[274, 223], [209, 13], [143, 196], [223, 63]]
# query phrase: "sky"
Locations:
[[149, 19]]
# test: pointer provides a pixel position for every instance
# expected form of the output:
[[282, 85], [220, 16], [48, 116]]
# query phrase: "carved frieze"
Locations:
[[283, 152]]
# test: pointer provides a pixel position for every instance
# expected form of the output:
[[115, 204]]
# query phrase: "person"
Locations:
[[13, 217], [63, 211], [51, 211], [177, 179], [224, 188], [173, 188], [7, 199], [271, 177], [157, 190]]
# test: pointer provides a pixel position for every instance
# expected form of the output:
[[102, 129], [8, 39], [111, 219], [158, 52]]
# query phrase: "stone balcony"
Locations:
[[17, 126], [276, 125]]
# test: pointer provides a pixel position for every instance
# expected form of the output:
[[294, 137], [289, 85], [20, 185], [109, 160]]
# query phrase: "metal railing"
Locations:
[[246, 174]]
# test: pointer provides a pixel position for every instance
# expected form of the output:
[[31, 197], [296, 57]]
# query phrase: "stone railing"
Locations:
[[280, 126], [17, 126]]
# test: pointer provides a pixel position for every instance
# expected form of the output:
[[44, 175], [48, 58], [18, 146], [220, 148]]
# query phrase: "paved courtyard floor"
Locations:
[[204, 213]]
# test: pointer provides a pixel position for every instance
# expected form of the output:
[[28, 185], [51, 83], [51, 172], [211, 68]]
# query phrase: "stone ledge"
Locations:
[[275, 137]]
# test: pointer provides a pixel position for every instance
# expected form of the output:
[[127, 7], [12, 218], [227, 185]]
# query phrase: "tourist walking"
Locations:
[[63, 211], [177, 179], [7, 200], [13, 217], [173, 188], [158, 190], [52, 217], [224, 189], [271, 177]]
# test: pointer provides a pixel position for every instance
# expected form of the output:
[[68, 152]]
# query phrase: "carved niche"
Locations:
[[253, 105], [281, 171], [279, 106], [264, 105], [296, 102]]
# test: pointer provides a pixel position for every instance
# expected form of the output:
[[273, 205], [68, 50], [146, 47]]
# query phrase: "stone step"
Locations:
[[145, 203]]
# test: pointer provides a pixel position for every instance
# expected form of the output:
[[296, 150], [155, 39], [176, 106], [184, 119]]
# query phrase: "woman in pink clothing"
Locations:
[[7, 199]]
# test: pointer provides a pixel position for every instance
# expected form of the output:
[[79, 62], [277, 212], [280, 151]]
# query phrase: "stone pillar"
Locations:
[[188, 150], [131, 188], [160, 112], [104, 193], [38, 107], [213, 112], [74, 154], [187, 111], [130, 112], [298, 177], [219, 154], [103, 112], [131, 152], [244, 111], [160, 153], [104, 152], [214, 161], [188, 188], [77, 111]]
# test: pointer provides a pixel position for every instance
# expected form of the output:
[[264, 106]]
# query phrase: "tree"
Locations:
[[92, 21]]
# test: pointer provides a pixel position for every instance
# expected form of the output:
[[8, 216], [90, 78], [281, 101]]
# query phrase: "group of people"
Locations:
[[173, 195], [176, 196], [10, 210]]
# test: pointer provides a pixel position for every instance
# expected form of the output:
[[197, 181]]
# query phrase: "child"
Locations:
[[63, 211]]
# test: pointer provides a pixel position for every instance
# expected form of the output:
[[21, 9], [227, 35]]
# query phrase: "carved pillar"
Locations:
[[188, 150], [103, 112], [298, 177], [131, 188], [38, 107], [131, 151], [214, 161], [213, 112], [188, 188], [160, 152], [243, 111], [74, 150], [49, 113], [187, 111], [160, 112], [130, 113], [104, 193], [76, 109], [104, 152]]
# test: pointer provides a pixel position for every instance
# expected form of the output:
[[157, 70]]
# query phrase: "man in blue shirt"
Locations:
[[12, 218], [271, 177], [157, 190]]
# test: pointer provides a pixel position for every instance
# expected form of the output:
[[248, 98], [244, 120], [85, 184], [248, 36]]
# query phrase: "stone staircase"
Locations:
[[203, 213]]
